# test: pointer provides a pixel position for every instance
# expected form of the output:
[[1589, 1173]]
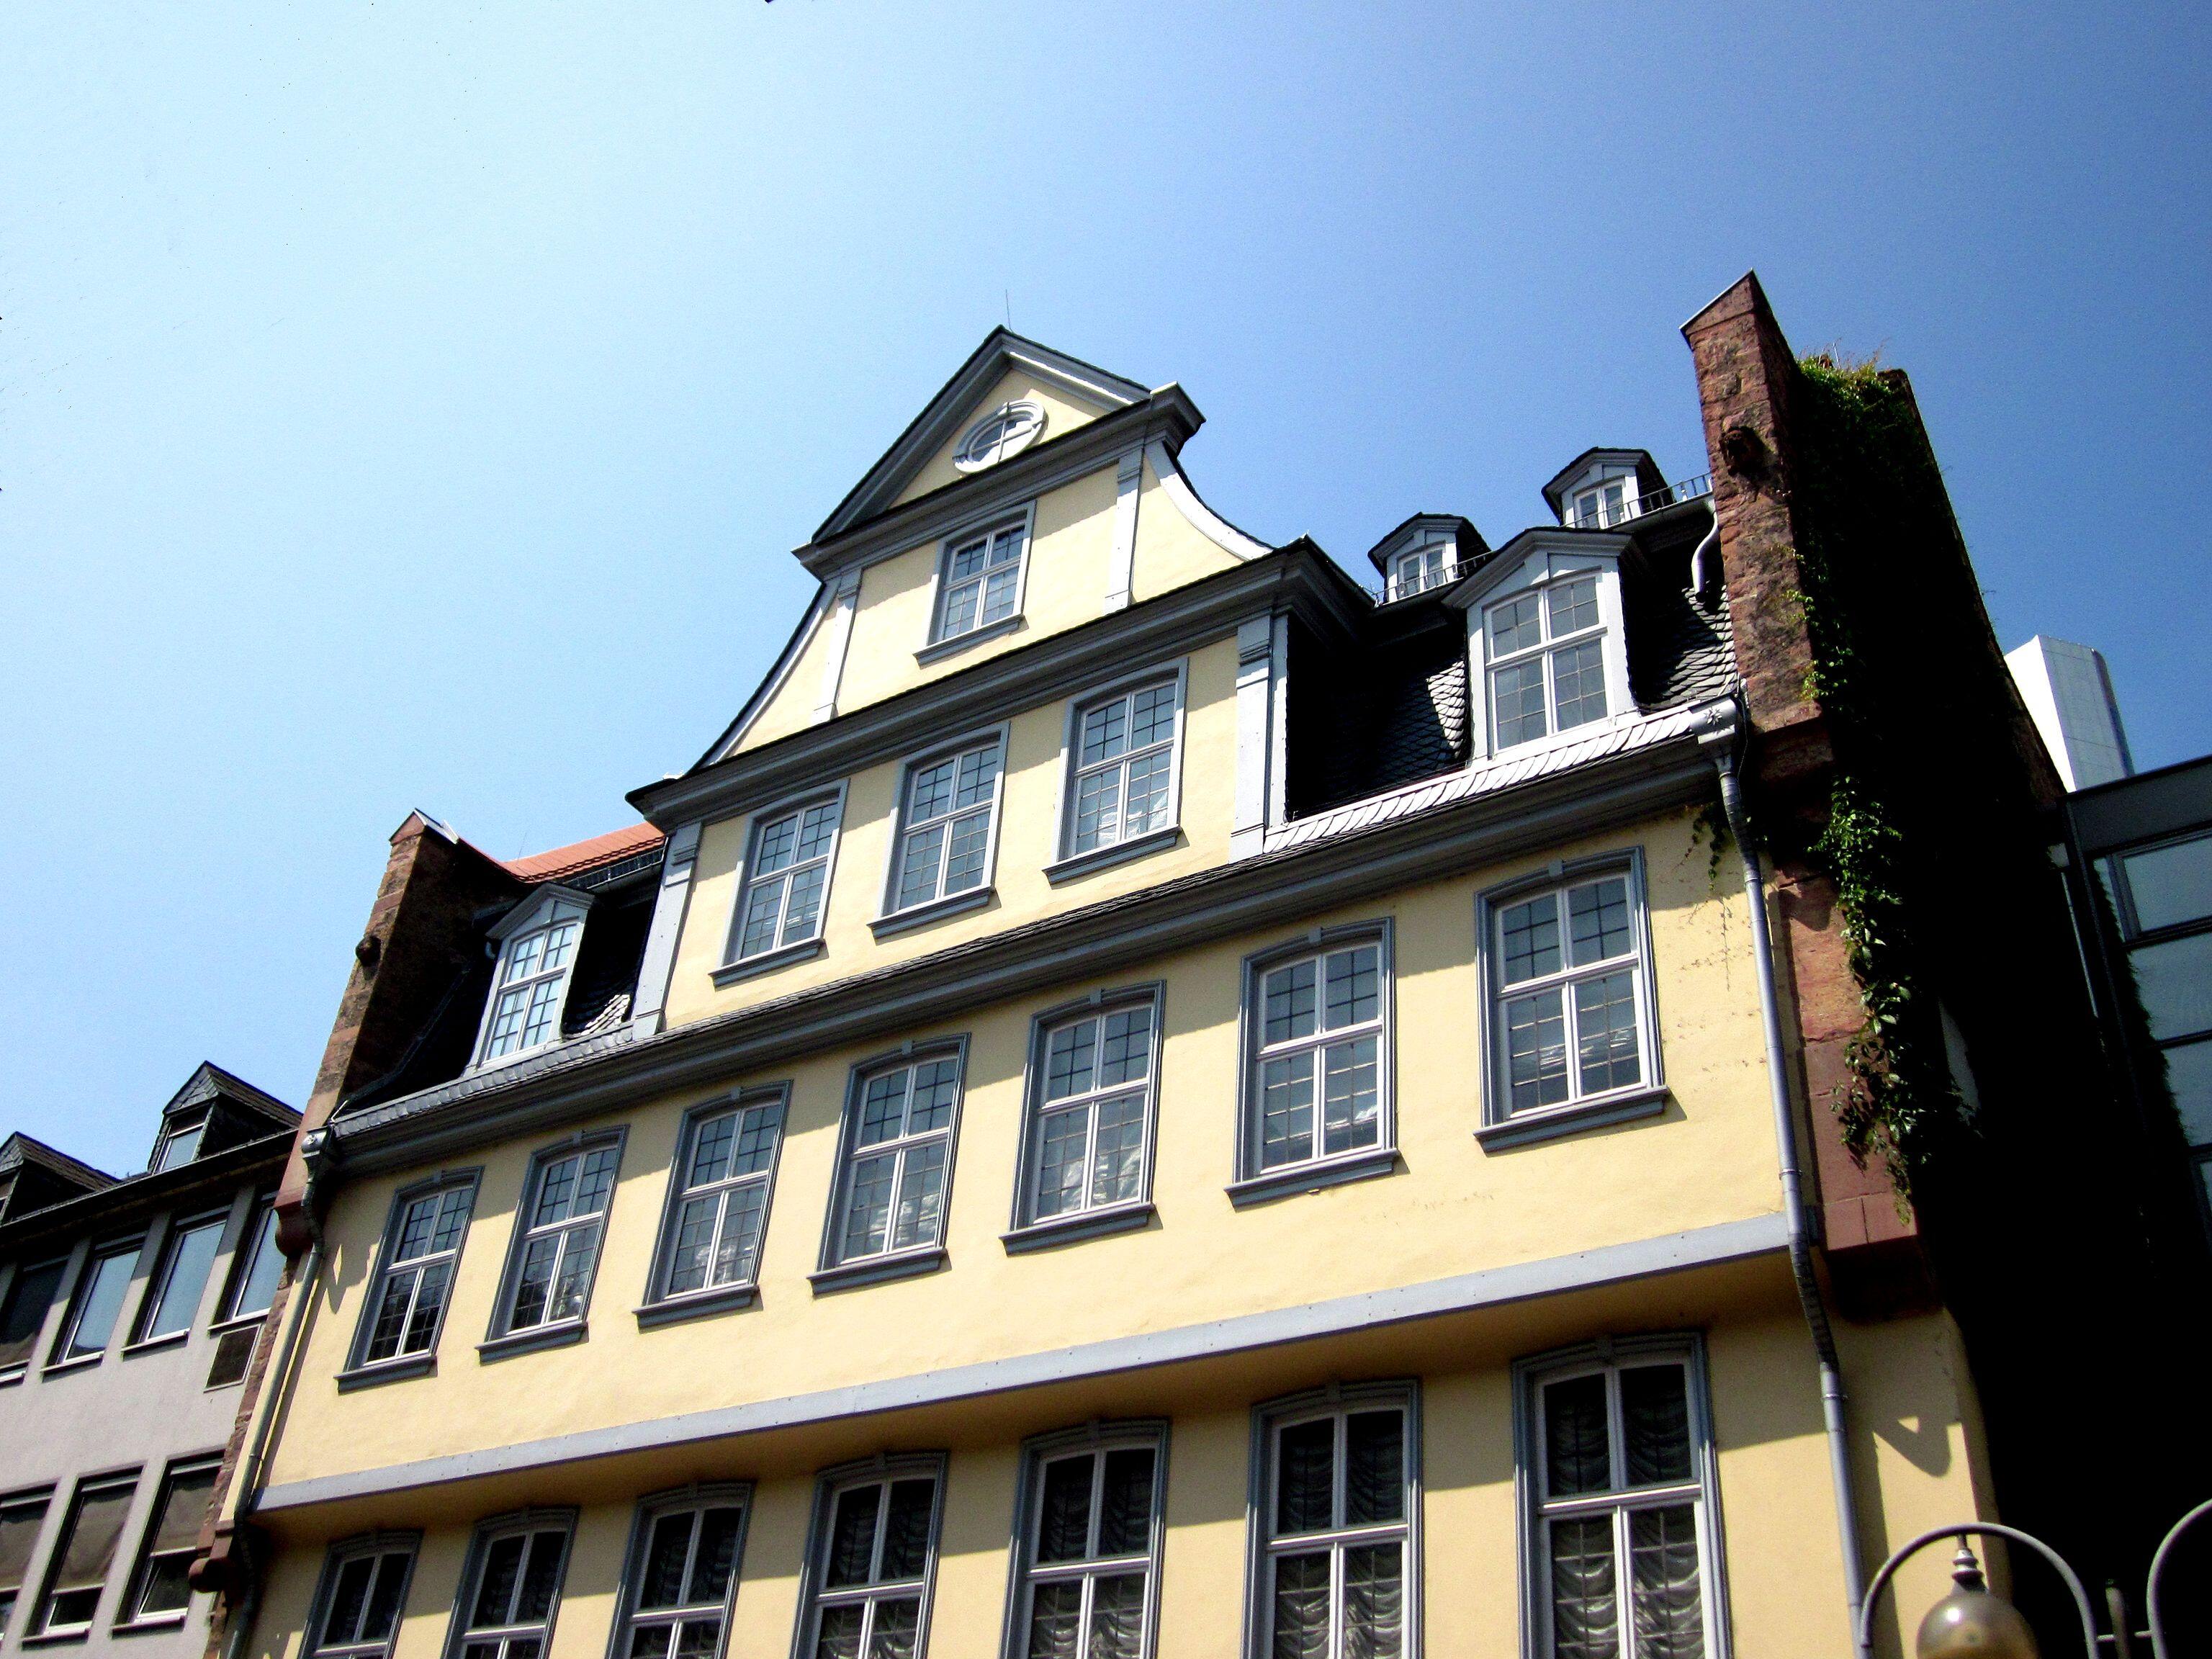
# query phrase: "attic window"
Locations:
[[180, 1139], [1006, 430], [532, 984], [1547, 660], [1419, 568], [1606, 503]]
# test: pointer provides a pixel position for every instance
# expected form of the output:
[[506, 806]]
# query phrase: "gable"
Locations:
[[1064, 410]]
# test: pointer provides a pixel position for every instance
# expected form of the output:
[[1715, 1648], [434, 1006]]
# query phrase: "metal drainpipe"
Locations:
[[1700, 577], [1793, 1194]]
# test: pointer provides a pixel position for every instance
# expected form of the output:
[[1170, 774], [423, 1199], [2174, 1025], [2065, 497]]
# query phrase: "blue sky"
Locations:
[[414, 404]]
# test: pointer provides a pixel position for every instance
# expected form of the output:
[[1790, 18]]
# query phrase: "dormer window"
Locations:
[[1546, 653], [1419, 568], [538, 951], [1006, 430], [180, 1139], [1600, 505]]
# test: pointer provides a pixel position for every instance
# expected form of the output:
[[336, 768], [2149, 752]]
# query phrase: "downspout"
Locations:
[[1793, 1191], [1701, 572]]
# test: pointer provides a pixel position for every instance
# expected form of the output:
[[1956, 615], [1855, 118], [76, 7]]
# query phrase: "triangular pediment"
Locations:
[[1065, 392]]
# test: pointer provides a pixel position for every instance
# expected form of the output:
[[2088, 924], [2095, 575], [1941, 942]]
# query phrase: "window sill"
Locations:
[[921, 916], [1312, 1177], [83, 1362], [1074, 1229], [878, 1270], [1553, 1122], [766, 961], [698, 1304], [562, 1335], [154, 1626], [155, 1344], [940, 649], [55, 1638], [391, 1370], [9, 1379], [1533, 746], [1104, 858]]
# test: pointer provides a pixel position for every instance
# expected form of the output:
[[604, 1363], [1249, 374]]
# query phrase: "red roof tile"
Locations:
[[579, 856]]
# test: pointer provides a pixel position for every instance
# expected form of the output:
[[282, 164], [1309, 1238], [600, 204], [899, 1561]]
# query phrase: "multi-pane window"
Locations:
[[422, 1248], [1092, 1112], [1547, 661], [872, 1568], [1121, 783], [1419, 568], [83, 1554], [1004, 431], [1090, 1548], [364, 1592], [181, 1278], [158, 1585], [1619, 1524], [2162, 898], [21, 1517], [180, 1139], [533, 982], [721, 1209], [1317, 1073], [257, 1267], [23, 1313], [1338, 1543], [944, 827], [510, 1594], [1567, 1012], [898, 1159], [981, 582], [565, 1214], [680, 1598], [786, 879], [1601, 504], [98, 1300]]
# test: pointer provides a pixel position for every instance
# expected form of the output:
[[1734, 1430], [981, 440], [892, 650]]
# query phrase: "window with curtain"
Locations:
[[944, 826], [23, 1313], [513, 1588], [1318, 1078], [1568, 1011], [1546, 661], [1620, 1528], [1337, 1508], [1121, 771], [83, 1554], [159, 1589], [21, 1517], [786, 879], [98, 1302], [897, 1159], [1089, 1544], [423, 1245], [684, 1580], [1091, 1110], [173, 1297], [556, 1248], [718, 1203], [871, 1564], [364, 1592]]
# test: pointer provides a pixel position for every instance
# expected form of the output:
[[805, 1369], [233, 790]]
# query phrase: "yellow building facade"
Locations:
[[1146, 1100]]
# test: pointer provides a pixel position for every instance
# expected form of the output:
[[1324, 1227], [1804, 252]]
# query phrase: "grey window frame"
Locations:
[[87, 1486], [460, 1633], [341, 1554], [1025, 1230], [985, 528], [11, 1600], [133, 1615], [15, 1372], [192, 1123], [1255, 1185], [895, 919], [698, 1496], [738, 963], [1501, 1126], [1067, 861], [1530, 1376], [1022, 1573], [159, 1280], [359, 1370], [260, 1222], [663, 1306], [814, 1595], [838, 1272], [59, 1357], [504, 1337], [1338, 1401]]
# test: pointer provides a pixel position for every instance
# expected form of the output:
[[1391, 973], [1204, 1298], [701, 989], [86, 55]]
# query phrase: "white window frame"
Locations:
[[39, 1501], [533, 919], [1502, 1126], [815, 1594], [409, 1361], [1022, 522], [527, 1525], [737, 962], [162, 1278], [88, 1487], [1069, 859], [1606, 516], [1438, 550], [133, 1614], [1003, 445], [1094, 1440], [1554, 559], [1337, 1403], [1027, 1230], [375, 1547], [575, 1231], [1256, 1183], [896, 917], [769, 1106], [694, 1500], [840, 1269], [1610, 1357]]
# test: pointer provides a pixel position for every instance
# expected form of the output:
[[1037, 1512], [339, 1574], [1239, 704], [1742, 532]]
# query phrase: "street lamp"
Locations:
[[1970, 1623]]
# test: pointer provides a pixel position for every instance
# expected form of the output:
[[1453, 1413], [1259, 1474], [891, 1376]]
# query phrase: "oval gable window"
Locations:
[[1006, 430]]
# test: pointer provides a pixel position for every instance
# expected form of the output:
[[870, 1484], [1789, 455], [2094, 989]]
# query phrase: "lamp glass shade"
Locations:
[[1970, 1623]]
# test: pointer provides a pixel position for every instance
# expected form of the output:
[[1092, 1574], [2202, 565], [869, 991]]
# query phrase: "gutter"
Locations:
[[1793, 1190]]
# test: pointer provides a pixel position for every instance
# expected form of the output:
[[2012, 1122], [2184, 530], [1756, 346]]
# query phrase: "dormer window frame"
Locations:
[[1554, 559], [985, 530], [186, 1128], [1431, 560], [1606, 513], [531, 922]]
